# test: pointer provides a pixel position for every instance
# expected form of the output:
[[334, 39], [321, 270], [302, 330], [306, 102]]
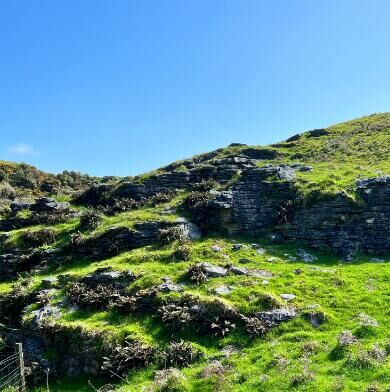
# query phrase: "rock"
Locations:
[[257, 273], [376, 260], [17, 206], [317, 132], [238, 270], [222, 290], [48, 204], [168, 286], [276, 315], [261, 251], [287, 297], [216, 248], [237, 247], [108, 276], [244, 261], [213, 271], [190, 230], [43, 314], [276, 238], [229, 350], [285, 173], [306, 256], [315, 317]]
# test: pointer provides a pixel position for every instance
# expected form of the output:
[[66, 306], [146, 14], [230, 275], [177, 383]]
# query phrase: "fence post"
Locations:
[[19, 350]]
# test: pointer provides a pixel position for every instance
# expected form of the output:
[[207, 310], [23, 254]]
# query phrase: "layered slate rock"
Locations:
[[344, 225]]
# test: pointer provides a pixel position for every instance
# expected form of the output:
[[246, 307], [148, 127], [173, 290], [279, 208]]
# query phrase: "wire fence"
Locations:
[[12, 370]]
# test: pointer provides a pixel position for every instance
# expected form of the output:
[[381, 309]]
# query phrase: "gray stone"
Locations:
[[257, 273], [216, 248], [43, 314], [306, 256], [287, 297], [213, 271], [237, 247], [276, 315], [245, 261], [48, 204], [377, 260], [168, 287], [222, 290]]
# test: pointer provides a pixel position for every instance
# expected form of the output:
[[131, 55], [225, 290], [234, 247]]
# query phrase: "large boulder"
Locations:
[[47, 204]]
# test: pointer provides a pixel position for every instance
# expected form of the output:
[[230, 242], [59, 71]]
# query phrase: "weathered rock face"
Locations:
[[265, 199], [254, 202], [347, 226], [121, 239], [255, 205]]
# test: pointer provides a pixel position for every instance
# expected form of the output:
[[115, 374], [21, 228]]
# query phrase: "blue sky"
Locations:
[[125, 86]]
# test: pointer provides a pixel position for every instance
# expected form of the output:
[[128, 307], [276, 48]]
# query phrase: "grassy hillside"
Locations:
[[339, 340]]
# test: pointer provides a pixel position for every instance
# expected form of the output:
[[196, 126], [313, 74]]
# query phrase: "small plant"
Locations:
[[168, 380], [130, 355], [90, 220], [162, 197], [7, 192], [182, 252], [76, 239], [176, 316], [257, 327], [196, 199], [39, 237], [197, 273], [346, 338], [179, 354], [367, 321], [171, 234], [98, 297]]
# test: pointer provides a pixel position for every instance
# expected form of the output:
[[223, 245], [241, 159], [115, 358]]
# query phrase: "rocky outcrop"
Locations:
[[256, 205], [344, 225]]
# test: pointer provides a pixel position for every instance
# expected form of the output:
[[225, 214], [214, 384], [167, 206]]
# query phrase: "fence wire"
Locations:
[[12, 370]]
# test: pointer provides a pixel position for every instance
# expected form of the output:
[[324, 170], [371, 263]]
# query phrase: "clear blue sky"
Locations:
[[124, 86]]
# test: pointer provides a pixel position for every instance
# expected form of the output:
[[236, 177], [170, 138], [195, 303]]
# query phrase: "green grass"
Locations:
[[270, 363], [295, 356]]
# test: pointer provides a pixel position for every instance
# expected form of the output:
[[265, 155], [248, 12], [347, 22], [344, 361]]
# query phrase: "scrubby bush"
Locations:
[[182, 252], [49, 217], [25, 177], [5, 209], [206, 185], [197, 273], [168, 380], [162, 197], [196, 199], [175, 316], [116, 206], [90, 219], [40, 237], [256, 327], [130, 355], [171, 234], [98, 297], [76, 239], [7, 192], [179, 354]]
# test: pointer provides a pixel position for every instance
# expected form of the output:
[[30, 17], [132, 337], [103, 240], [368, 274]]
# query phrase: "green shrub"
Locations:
[[39, 237]]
